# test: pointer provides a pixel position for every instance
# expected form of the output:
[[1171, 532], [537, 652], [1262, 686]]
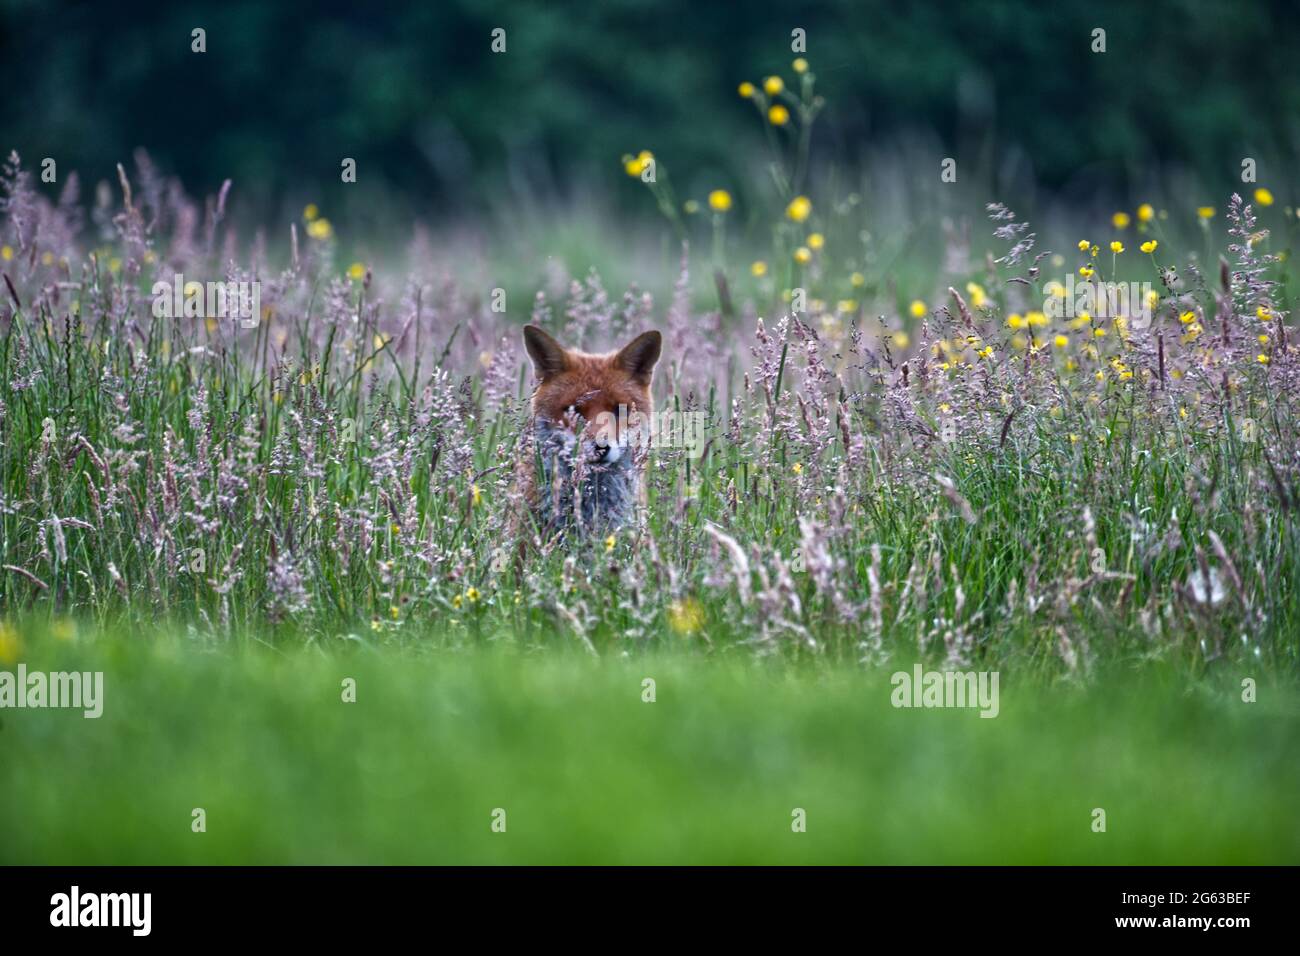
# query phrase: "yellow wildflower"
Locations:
[[800, 208], [685, 616], [11, 645]]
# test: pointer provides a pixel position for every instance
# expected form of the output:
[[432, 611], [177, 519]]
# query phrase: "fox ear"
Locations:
[[639, 356], [548, 355]]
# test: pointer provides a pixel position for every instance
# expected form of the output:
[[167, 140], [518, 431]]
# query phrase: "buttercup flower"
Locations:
[[11, 645], [633, 165], [778, 115], [685, 616], [800, 208], [720, 200]]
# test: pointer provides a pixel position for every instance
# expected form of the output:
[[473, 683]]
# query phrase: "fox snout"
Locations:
[[592, 443], [604, 439]]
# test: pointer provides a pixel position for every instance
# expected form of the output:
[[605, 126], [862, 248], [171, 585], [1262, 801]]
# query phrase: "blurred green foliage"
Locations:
[[440, 124], [588, 772]]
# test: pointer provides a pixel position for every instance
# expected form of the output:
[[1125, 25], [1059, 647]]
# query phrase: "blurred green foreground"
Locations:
[[588, 772]]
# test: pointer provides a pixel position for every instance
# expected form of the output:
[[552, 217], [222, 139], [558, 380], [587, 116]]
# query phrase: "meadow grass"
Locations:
[[982, 483]]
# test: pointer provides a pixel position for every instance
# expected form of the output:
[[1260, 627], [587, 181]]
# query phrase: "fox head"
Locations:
[[596, 394]]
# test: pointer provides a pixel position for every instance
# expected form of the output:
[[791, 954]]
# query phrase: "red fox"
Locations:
[[583, 466]]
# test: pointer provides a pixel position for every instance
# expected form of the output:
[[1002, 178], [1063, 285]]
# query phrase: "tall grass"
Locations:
[[955, 484]]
